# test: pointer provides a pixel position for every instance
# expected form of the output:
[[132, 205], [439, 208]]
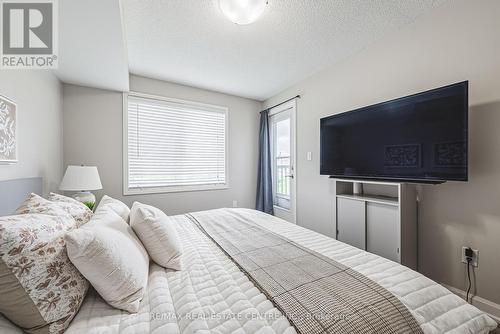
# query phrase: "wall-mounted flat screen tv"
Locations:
[[418, 138]]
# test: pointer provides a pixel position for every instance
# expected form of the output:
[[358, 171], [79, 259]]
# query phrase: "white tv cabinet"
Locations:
[[379, 217]]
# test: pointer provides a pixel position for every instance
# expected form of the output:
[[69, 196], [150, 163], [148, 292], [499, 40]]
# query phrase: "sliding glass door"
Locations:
[[282, 131]]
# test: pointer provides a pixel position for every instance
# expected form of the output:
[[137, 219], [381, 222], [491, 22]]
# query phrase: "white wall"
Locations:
[[93, 136], [459, 41], [38, 95]]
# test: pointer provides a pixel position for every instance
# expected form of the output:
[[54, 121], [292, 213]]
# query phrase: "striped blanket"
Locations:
[[316, 293]]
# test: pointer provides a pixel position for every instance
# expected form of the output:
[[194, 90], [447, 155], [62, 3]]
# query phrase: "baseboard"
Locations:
[[493, 309]]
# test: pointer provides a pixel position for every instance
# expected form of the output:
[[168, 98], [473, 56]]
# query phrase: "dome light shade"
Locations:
[[242, 11]]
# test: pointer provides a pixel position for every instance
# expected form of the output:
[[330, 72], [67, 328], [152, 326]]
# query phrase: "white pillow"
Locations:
[[119, 207], [107, 252], [157, 234]]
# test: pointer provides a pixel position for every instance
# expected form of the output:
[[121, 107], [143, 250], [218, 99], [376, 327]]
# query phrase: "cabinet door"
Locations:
[[351, 225], [382, 231]]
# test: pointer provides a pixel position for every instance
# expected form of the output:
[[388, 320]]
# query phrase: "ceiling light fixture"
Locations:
[[242, 11]]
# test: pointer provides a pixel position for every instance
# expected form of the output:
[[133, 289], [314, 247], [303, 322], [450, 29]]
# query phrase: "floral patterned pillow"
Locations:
[[78, 210], [41, 289], [37, 204], [61, 198]]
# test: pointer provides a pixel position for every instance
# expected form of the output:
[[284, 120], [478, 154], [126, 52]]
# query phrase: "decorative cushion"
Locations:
[[119, 207], [40, 289], [78, 210], [53, 207], [109, 255], [36, 204], [158, 235], [61, 198]]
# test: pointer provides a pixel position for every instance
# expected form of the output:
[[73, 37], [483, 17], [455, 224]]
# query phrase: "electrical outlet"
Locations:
[[475, 256], [235, 203]]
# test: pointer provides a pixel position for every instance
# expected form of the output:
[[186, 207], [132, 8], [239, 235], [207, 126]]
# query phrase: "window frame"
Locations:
[[170, 189]]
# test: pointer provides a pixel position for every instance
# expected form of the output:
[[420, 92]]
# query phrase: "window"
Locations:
[[173, 145]]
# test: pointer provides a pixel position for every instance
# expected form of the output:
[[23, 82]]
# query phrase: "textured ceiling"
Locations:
[[92, 50], [191, 42]]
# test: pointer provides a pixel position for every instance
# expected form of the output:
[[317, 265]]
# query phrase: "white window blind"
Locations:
[[175, 144]]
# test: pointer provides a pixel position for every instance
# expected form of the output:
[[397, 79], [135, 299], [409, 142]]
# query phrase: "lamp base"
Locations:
[[85, 197]]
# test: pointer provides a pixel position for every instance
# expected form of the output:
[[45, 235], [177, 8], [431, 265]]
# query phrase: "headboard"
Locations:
[[14, 192]]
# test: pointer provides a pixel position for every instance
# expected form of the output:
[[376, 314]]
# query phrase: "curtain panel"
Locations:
[[264, 200]]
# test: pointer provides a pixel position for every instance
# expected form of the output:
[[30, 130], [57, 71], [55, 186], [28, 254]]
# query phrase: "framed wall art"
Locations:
[[8, 131]]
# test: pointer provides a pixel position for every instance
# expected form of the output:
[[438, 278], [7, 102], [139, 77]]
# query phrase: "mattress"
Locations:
[[211, 295]]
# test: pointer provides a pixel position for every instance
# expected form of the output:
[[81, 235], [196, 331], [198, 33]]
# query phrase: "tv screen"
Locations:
[[418, 138]]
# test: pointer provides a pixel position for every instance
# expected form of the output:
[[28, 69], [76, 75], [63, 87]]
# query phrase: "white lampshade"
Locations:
[[242, 11], [79, 178]]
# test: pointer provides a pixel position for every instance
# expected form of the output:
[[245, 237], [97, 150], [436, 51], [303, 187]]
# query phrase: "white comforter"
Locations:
[[212, 286]]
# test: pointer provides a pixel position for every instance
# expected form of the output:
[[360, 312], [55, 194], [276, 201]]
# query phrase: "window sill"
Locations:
[[178, 189]]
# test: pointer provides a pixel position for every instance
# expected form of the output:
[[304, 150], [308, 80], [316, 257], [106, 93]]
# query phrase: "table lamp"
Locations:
[[82, 179]]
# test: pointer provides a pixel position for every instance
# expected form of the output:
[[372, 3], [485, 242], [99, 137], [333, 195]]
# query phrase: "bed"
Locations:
[[212, 295]]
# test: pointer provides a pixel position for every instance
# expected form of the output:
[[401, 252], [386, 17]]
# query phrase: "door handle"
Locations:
[[290, 176]]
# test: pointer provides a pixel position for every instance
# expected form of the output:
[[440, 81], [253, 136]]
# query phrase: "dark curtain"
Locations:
[[264, 201]]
